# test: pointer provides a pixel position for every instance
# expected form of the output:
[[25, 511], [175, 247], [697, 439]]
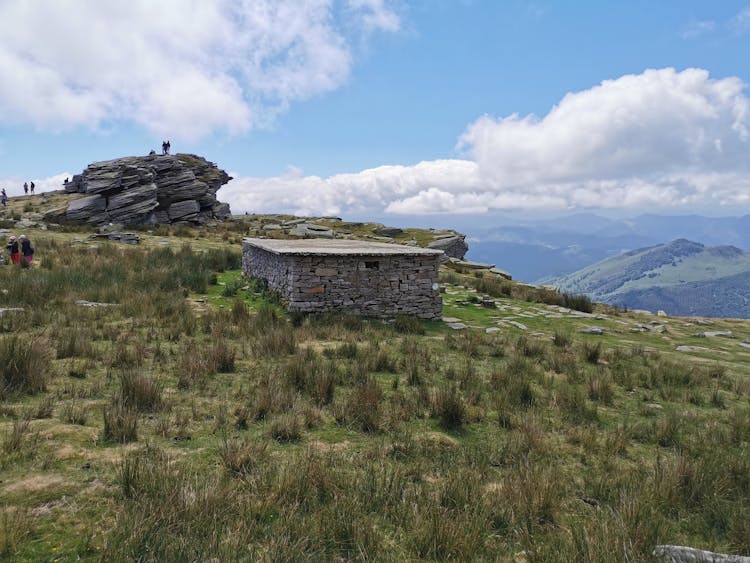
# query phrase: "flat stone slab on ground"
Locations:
[[4, 310], [518, 325], [692, 349], [684, 554], [712, 333], [501, 273], [745, 344], [469, 265], [594, 330], [451, 320], [457, 326], [84, 303], [583, 315]]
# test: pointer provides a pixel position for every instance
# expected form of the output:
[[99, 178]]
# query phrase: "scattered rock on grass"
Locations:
[[712, 333]]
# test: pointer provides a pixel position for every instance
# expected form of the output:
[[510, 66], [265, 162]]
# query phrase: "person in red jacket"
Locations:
[[12, 246]]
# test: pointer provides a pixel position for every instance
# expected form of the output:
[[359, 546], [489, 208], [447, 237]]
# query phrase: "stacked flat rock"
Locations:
[[149, 189]]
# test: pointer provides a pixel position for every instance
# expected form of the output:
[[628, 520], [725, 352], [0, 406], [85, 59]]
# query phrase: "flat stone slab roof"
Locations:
[[338, 247]]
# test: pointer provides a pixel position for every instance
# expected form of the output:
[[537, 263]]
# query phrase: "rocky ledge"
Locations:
[[148, 189]]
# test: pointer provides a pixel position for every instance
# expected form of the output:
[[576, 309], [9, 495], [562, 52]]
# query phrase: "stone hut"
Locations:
[[367, 278]]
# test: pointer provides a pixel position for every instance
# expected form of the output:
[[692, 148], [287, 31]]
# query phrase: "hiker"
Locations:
[[168, 146], [32, 188], [27, 250], [65, 183], [163, 147], [3, 197], [152, 152], [25, 188], [12, 246]]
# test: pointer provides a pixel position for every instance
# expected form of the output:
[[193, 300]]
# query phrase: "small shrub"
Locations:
[[74, 342], [572, 401], [242, 417], [669, 430], [515, 387], [577, 302], [600, 389], [274, 342], [193, 367], [15, 440], [468, 343], [232, 287], [239, 312], [348, 350], [241, 457], [221, 355], [44, 408], [717, 399], [451, 409], [530, 348], [73, 413], [363, 406], [140, 391], [286, 428], [273, 396], [591, 352], [380, 359], [407, 324], [15, 526], [24, 365], [120, 423], [561, 339]]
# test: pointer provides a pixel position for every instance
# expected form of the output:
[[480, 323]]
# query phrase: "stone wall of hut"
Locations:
[[377, 286]]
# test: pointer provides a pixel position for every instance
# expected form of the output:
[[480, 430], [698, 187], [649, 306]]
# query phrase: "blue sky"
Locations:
[[387, 108]]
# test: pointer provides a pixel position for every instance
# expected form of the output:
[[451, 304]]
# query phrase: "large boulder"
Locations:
[[149, 189]]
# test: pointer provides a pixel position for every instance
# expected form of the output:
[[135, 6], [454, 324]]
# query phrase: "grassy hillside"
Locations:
[[681, 277], [190, 418]]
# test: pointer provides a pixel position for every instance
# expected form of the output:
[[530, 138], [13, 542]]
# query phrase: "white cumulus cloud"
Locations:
[[657, 139], [180, 68]]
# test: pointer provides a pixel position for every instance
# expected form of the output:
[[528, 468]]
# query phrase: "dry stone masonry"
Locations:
[[367, 278], [148, 189]]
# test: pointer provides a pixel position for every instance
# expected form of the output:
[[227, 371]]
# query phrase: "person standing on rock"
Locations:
[[31, 186], [25, 188], [27, 250], [12, 246], [3, 197], [168, 146]]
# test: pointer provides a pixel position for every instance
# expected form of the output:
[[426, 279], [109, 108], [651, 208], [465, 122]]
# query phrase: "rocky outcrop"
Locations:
[[453, 246], [152, 189]]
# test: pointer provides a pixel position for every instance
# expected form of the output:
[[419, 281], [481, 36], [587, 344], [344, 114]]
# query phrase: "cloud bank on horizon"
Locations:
[[182, 68], [658, 139]]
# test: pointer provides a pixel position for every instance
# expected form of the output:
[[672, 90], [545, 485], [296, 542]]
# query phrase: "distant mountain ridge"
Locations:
[[682, 277], [536, 251]]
